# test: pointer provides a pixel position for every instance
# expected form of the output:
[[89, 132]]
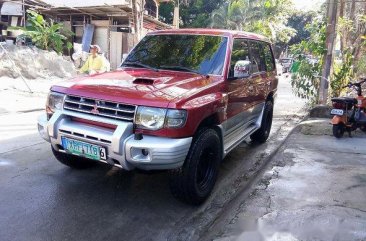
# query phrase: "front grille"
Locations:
[[100, 108], [92, 138]]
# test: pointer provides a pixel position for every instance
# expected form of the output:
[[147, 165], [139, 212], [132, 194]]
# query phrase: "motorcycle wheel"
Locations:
[[363, 128], [338, 130]]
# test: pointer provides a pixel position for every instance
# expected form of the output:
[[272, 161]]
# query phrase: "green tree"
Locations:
[[166, 10], [351, 29], [305, 81], [298, 21], [45, 35], [193, 13], [235, 14], [266, 17]]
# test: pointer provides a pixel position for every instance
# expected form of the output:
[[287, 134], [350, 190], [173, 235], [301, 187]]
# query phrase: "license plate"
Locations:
[[84, 149], [337, 112]]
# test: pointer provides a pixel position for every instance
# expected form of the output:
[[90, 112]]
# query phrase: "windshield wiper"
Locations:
[[139, 64], [180, 68]]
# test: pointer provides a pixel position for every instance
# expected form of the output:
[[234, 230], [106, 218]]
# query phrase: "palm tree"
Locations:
[[235, 14], [267, 17]]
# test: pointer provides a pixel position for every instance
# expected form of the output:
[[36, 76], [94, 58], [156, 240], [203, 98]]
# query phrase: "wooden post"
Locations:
[[23, 10], [136, 23], [110, 23]]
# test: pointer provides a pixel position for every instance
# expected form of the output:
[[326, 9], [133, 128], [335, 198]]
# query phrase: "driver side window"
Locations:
[[240, 61]]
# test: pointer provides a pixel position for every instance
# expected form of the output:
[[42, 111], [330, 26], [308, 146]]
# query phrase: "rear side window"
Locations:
[[270, 63]]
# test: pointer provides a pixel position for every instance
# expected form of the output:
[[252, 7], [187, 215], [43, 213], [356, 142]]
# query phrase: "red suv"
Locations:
[[181, 101]]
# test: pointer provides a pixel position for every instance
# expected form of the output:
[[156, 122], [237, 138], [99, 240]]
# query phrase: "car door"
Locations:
[[271, 78], [239, 89], [258, 79]]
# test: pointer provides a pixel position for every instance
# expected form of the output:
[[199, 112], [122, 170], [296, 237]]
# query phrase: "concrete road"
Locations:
[[314, 189], [40, 199]]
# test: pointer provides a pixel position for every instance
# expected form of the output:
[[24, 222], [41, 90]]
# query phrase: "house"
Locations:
[[12, 13], [108, 23]]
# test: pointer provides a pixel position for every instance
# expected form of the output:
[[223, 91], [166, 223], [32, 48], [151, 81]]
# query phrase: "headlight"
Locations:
[[54, 102], [150, 118], [157, 118]]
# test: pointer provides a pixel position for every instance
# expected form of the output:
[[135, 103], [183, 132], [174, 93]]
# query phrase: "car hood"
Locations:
[[138, 86]]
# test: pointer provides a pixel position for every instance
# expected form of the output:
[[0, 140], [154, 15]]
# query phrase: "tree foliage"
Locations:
[[196, 13], [298, 20], [166, 10], [193, 13], [305, 81], [352, 29], [45, 35], [266, 17], [342, 74]]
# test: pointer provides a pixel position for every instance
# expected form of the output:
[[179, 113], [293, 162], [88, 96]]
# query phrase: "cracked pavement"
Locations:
[[314, 189]]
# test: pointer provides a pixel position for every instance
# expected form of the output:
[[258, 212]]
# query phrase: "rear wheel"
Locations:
[[338, 130], [262, 134], [72, 161], [194, 181]]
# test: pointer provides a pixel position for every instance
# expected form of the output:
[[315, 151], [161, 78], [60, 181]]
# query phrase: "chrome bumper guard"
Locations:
[[149, 153]]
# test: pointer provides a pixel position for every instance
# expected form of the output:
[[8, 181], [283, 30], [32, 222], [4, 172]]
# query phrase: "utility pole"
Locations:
[[138, 9], [328, 57], [135, 20], [176, 16]]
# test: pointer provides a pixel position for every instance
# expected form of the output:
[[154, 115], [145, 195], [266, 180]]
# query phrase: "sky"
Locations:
[[308, 4]]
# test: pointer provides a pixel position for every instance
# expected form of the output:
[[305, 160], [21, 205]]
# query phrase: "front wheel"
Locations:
[[338, 130], [194, 181]]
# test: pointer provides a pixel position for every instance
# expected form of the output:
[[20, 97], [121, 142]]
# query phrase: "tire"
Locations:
[[262, 134], [193, 182], [338, 130], [72, 161], [363, 128]]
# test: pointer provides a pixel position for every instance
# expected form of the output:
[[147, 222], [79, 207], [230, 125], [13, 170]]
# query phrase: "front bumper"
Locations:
[[149, 153]]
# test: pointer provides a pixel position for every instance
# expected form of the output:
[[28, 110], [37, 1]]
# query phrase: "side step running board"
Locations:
[[239, 138]]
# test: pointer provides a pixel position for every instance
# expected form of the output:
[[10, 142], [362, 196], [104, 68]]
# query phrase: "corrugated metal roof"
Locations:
[[209, 31], [11, 8], [85, 3]]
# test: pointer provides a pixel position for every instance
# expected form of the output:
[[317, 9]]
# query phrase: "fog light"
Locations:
[[140, 154], [145, 152]]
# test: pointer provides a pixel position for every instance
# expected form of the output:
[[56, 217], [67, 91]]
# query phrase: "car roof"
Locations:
[[208, 31]]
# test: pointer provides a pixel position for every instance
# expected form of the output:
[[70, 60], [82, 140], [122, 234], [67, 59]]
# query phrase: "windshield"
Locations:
[[189, 53]]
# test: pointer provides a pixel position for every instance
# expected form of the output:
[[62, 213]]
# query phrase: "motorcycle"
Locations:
[[349, 113]]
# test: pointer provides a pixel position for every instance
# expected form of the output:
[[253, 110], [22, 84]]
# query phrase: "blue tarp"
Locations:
[[87, 37]]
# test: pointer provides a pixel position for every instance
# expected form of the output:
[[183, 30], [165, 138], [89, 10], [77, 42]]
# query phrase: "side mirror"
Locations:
[[242, 69]]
